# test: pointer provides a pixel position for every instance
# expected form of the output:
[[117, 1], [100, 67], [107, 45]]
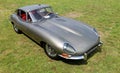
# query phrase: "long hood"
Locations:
[[79, 35]]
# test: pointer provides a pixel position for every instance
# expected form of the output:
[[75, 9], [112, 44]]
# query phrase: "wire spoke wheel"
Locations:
[[50, 52], [15, 28]]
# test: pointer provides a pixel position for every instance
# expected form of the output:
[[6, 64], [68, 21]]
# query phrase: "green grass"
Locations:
[[18, 54]]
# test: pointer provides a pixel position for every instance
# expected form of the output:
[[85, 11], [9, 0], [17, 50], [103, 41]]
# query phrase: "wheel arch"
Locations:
[[42, 44], [12, 22]]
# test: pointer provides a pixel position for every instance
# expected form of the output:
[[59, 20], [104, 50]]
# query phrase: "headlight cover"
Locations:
[[68, 49]]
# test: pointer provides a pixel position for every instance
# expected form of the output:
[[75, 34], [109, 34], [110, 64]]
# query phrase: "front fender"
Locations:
[[52, 39]]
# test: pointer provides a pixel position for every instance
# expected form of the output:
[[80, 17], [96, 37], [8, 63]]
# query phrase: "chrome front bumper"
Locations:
[[85, 55]]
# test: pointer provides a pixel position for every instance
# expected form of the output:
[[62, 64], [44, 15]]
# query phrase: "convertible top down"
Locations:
[[60, 36]]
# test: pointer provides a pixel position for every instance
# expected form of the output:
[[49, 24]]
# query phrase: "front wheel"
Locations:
[[51, 52]]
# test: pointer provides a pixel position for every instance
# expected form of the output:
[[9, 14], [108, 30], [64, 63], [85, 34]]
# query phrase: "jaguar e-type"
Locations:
[[59, 36]]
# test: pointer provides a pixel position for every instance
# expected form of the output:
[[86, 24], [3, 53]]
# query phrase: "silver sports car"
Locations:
[[59, 36]]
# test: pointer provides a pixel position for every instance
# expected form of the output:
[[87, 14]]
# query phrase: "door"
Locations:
[[27, 25]]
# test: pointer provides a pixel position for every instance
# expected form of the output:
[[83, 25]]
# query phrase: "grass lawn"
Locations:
[[18, 54]]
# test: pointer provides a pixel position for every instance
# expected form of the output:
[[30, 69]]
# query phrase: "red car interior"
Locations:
[[23, 16]]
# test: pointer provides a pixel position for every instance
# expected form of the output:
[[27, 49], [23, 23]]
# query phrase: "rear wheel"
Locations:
[[16, 29], [51, 52]]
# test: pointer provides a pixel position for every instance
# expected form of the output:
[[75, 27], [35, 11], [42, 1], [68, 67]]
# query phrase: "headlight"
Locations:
[[68, 49]]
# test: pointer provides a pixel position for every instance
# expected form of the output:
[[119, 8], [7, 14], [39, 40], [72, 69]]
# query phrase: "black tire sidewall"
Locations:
[[52, 57]]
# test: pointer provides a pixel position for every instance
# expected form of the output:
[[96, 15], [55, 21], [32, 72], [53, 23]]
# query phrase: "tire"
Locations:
[[51, 52], [16, 29]]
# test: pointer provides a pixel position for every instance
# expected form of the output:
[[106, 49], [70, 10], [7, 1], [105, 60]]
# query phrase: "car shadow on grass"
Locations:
[[74, 62]]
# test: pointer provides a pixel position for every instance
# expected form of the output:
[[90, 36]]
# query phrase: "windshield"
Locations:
[[42, 13]]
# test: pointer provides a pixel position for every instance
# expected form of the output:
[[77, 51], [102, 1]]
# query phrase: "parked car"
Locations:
[[60, 36]]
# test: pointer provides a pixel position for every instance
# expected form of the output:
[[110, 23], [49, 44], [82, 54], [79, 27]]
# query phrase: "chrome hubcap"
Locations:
[[15, 28], [51, 52]]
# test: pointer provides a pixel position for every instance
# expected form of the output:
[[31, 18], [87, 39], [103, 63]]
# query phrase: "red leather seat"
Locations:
[[23, 16]]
